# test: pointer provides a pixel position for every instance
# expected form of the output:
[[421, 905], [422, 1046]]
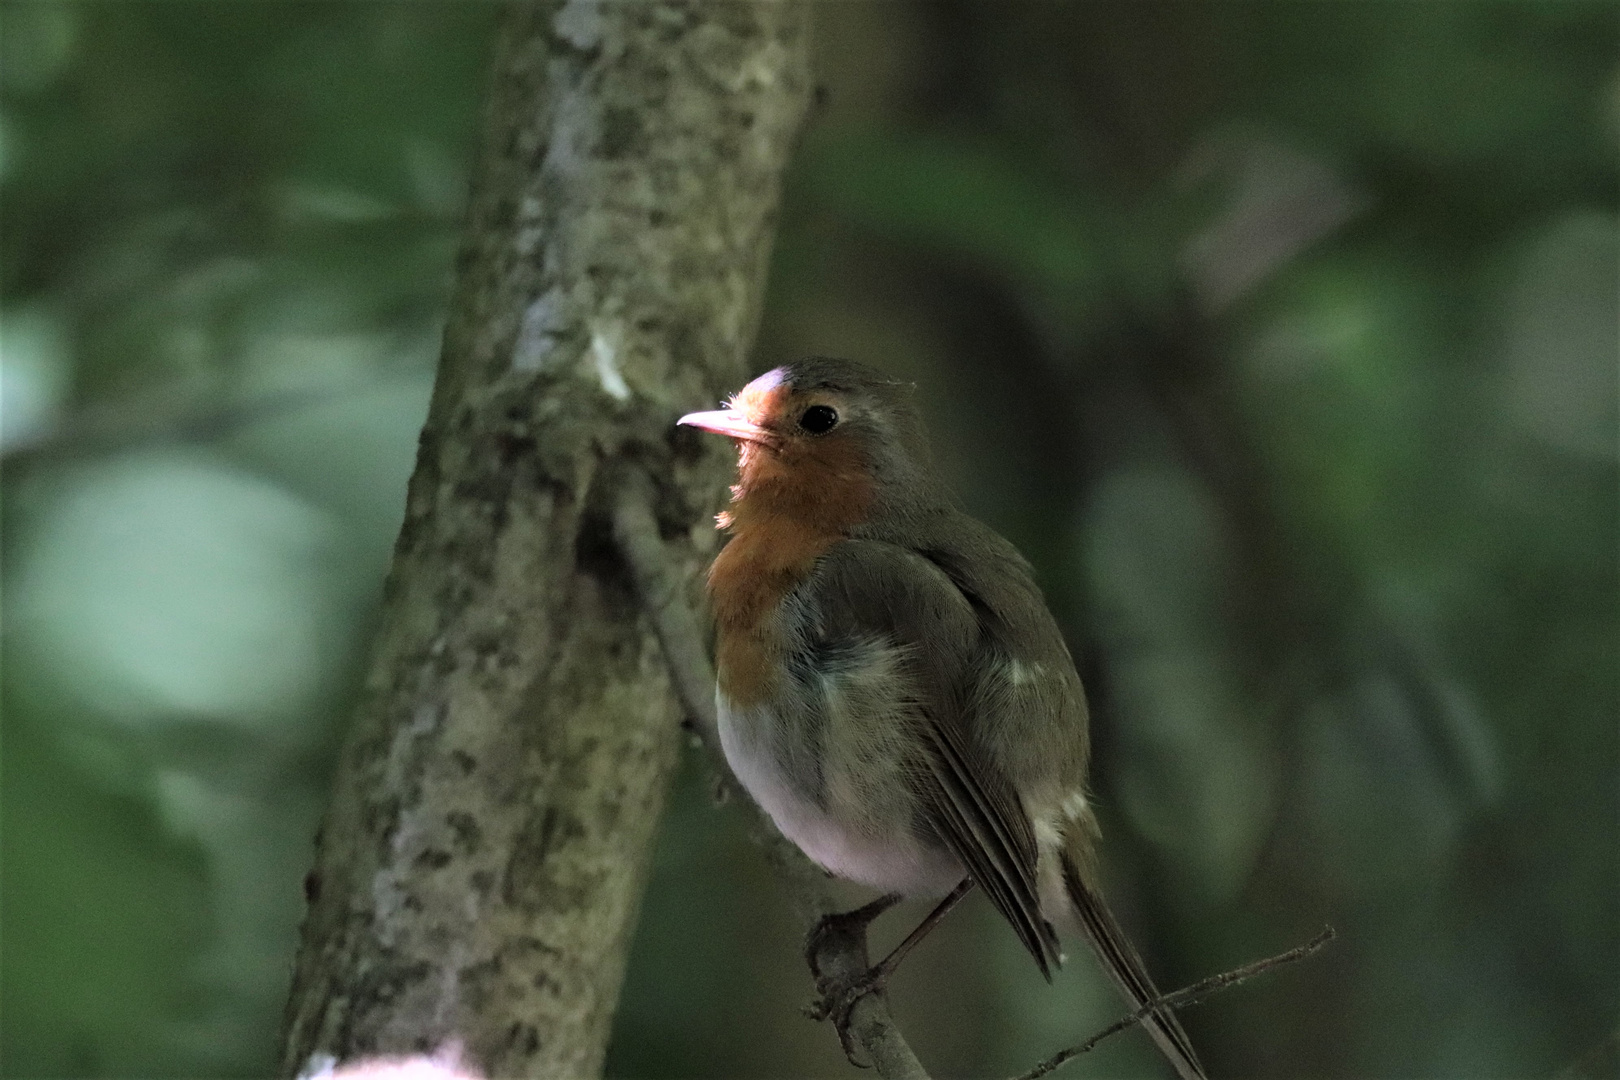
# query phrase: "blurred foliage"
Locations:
[[1281, 336]]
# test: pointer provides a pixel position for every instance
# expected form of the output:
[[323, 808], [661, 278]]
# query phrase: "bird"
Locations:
[[891, 687]]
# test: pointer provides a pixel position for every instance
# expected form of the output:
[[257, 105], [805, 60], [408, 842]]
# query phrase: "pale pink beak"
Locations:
[[728, 422]]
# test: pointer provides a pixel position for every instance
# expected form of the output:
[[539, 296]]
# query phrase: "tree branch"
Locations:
[[482, 860], [1180, 999]]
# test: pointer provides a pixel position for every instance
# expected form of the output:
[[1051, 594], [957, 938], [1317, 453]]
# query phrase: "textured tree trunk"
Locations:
[[480, 867]]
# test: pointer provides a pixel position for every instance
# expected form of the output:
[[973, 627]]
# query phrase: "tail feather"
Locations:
[[1125, 967]]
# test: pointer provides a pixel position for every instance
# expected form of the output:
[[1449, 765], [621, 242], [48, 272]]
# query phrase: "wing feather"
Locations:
[[988, 843], [861, 588], [1125, 967]]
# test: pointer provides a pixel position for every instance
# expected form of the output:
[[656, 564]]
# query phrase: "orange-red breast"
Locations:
[[892, 689]]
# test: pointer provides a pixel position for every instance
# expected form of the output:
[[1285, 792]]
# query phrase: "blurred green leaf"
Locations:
[[1562, 337], [104, 915], [1199, 777], [970, 199]]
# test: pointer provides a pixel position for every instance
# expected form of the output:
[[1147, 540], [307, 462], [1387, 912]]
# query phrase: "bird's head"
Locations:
[[828, 441]]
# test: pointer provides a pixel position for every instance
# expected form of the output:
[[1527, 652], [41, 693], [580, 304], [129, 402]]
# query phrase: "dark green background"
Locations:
[[1281, 336]]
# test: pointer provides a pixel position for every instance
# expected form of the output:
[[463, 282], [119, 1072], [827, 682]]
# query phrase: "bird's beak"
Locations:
[[728, 422]]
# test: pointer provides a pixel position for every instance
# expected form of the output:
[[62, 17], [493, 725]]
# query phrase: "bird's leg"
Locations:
[[844, 924], [839, 994], [881, 973]]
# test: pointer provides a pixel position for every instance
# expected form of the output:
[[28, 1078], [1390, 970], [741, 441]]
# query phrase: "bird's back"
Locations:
[[1025, 704]]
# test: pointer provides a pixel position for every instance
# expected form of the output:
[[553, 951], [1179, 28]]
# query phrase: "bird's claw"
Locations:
[[839, 996], [844, 933]]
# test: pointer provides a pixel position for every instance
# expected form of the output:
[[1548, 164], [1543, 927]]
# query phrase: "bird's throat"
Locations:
[[786, 511]]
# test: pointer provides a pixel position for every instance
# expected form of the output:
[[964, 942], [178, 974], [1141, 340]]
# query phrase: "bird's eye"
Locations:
[[818, 419]]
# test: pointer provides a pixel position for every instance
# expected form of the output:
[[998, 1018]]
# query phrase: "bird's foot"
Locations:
[[839, 996], [843, 932], [828, 948]]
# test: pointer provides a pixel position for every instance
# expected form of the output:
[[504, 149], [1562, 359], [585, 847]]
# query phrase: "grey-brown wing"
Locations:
[[868, 588]]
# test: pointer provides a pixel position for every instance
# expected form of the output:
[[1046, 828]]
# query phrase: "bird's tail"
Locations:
[[1125, 967]]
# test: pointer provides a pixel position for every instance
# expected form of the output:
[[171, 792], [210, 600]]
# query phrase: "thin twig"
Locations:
[[1187, 995], [635, 530], [662, 592]]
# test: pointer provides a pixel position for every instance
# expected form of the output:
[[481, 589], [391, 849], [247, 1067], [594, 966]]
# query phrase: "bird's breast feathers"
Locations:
[[828, 757], [748, 583]]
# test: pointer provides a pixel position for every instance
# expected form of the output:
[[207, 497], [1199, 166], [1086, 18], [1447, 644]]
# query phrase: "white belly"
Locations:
[[860, 826]]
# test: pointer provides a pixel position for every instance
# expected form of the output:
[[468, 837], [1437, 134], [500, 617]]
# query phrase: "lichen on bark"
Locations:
[[479, 869]]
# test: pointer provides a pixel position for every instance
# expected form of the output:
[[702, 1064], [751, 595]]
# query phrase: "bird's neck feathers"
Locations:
[[788, 507], [825, 487]]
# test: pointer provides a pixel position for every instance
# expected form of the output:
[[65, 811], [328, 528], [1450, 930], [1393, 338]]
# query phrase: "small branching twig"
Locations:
[[1180, 999], [662, 592]]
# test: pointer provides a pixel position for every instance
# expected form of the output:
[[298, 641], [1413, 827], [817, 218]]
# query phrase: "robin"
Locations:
[[892, 689]]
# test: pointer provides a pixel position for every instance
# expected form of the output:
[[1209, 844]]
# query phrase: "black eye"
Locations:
[[819, 419]]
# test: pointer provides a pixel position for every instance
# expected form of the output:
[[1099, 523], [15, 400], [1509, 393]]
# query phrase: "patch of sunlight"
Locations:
[[34, 373], [167, 583]]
